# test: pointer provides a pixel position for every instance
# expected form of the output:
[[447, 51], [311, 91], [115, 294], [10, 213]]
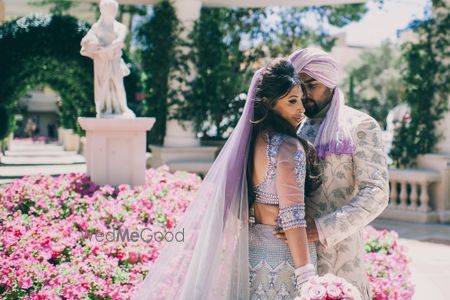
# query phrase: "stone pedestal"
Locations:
[[71, 141], [10, 140], [60, 135], [115, 149], [66, 139], [177, 136], [190, 159], [82, 149]]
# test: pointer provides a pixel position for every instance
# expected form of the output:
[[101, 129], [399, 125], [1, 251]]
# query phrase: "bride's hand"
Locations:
[[280, 234], [311, 231], [303, 274]]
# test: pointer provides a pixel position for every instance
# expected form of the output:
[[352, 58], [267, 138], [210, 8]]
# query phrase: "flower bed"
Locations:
[[51, 243], [387, 265], [45, 248]]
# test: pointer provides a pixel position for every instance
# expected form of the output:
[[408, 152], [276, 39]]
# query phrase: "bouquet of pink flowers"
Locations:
[[328, 287]]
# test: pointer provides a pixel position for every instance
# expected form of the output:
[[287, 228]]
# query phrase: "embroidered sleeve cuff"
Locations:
[[292, 217]]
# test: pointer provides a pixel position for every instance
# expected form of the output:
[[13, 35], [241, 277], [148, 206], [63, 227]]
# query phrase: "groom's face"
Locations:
[[315, 95]]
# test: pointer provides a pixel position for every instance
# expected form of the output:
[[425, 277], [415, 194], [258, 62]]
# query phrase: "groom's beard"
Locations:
[[311, 107]]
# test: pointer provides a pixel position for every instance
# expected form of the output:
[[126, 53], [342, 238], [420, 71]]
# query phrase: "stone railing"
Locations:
[[69, 140], [411, 195]]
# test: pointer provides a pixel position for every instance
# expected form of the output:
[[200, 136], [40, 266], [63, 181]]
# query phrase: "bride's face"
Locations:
[[290, 107]]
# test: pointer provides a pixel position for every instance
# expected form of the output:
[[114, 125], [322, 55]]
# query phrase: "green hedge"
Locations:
[[38, 50], [426, 78]]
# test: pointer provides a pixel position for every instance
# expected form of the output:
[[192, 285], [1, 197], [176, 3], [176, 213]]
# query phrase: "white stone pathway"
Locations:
[[31, 158]]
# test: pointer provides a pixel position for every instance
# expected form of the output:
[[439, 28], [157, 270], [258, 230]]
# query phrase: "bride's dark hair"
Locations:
[[278, 79]]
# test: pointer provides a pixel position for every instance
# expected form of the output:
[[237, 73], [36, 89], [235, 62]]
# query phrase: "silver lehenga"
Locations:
[[271, 264]]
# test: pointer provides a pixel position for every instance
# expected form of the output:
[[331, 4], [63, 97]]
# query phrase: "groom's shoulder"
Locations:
[[358, 118]]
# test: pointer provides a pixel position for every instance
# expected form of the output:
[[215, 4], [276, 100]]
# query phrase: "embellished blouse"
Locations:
[[284, 182]]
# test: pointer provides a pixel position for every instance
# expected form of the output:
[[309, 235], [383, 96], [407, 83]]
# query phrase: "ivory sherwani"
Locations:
[[355, 191]]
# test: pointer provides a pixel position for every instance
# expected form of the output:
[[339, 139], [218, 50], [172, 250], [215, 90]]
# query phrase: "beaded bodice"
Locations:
[[266, 190]]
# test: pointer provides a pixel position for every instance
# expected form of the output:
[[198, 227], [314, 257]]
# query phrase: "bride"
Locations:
[[258, 183]]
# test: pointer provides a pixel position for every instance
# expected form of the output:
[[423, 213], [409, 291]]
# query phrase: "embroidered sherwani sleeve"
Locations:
[[371, 181]]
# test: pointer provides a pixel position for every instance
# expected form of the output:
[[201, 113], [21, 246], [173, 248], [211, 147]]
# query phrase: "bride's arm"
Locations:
[[297, 242], [290, 182]]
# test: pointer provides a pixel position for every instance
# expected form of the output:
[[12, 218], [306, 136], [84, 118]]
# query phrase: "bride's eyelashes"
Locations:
[[293, 100]]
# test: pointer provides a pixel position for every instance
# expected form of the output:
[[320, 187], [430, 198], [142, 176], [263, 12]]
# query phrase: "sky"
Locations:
[[381, 24]]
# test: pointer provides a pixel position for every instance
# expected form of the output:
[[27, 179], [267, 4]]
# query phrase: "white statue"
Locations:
[[103, 43], [396, 116]]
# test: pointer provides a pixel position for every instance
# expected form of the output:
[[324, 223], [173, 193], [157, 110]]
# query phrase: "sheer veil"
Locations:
[[212, 261]]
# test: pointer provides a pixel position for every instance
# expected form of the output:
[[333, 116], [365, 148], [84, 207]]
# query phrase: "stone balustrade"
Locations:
[[411, 196]]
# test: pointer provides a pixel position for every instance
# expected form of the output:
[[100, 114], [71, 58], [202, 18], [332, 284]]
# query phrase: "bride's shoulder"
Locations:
[[286, 143], [290, 144]]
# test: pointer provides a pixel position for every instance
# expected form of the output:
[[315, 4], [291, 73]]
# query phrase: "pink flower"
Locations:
[[25, 282], [62, 209], [55, 254], [333, 292], [317, 292], [133, 257]]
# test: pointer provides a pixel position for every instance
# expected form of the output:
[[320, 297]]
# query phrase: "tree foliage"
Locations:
[[228, 44], [213, 100], [157, 39], [57, 7], [426, 79], [293, 30], [374, 82]]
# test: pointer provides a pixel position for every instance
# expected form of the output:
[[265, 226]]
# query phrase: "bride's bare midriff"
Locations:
[[266, 214]]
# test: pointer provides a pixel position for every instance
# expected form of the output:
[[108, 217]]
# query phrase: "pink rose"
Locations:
[[317, 292], [334, 292]]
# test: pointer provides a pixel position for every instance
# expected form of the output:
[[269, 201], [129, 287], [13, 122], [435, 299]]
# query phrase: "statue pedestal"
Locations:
[[115, 149]]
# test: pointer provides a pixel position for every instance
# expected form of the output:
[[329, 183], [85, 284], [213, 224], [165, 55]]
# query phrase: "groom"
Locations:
[[355, 188]]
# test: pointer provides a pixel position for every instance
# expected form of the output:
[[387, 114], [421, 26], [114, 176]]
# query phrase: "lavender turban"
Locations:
[[333, 136]]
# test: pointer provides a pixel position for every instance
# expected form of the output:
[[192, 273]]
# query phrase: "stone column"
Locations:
[[188, 11], [182, 150]]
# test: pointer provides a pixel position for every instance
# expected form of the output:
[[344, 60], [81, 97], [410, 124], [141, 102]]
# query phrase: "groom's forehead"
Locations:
[[305, 78]]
